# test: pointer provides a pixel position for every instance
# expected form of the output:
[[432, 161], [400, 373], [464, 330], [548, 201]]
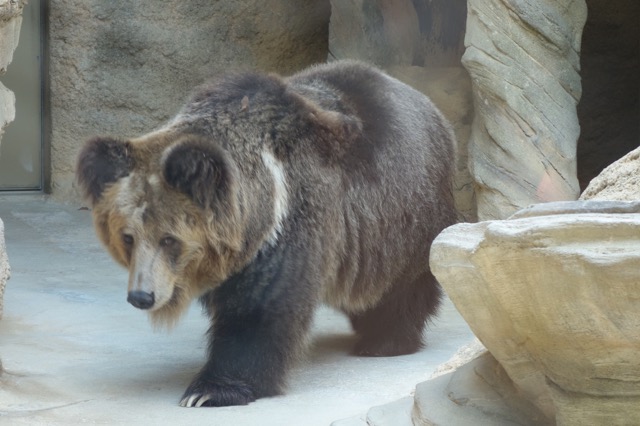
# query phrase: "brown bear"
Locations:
[[266, 196]]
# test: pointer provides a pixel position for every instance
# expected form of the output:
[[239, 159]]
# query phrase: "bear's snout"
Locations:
[[141, 299]]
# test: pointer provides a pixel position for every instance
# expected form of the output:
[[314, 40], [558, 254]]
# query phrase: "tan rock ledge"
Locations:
[[553, 294]]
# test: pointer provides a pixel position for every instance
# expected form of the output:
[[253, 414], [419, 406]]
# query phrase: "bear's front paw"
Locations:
[[203, 392]]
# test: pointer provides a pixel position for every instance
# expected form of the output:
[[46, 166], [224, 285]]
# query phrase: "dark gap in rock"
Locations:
[[609, 111]]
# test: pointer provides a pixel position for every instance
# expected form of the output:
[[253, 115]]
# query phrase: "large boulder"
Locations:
[[619, 181], [552, 294], [523, 58]]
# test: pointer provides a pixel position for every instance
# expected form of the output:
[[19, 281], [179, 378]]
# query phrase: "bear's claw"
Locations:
[[210, 394], [195, 401]]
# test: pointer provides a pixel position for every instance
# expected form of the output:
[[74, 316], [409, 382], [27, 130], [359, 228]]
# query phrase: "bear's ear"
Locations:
[[342, 126], [344, 129], [102, 161], [201, 170]]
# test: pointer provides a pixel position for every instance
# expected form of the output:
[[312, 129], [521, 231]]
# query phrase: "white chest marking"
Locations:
[[281, 196]]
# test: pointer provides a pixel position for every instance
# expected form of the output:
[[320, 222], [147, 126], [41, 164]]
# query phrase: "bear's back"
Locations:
[[395, 193]]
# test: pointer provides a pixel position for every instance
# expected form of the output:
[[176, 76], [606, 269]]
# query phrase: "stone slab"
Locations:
[[558, 291]]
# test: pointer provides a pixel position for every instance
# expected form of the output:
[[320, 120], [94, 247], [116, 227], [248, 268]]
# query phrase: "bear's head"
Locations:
[[166, 207]]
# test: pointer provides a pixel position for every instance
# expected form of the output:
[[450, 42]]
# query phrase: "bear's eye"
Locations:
[[172, 248], [127, 239], [168, 242]]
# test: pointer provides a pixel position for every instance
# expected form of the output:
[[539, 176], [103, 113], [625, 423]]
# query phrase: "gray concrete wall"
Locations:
[[122, 68]]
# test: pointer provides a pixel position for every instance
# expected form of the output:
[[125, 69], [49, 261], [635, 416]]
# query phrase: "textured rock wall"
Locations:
[[523, 58], [381, 32], [398, 32], [122, 68]]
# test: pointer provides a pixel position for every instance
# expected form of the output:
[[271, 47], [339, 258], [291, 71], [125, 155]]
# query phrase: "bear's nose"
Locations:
[[141, 299]]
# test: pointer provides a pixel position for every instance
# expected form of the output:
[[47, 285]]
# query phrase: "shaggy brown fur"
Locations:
[[265, 196]]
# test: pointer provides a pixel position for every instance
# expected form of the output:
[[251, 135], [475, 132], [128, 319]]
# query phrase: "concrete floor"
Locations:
[[75, 352]]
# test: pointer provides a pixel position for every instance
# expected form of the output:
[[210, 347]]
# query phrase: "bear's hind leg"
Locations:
[[395, 325]]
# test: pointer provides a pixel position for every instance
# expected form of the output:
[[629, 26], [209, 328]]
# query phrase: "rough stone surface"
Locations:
[[398, 32], [383, 33], [396, 413], [477, 393], [10, 22], [523, 58], [5, 270], [464, 355], [558, 285], [619, 181], [122, 67]]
